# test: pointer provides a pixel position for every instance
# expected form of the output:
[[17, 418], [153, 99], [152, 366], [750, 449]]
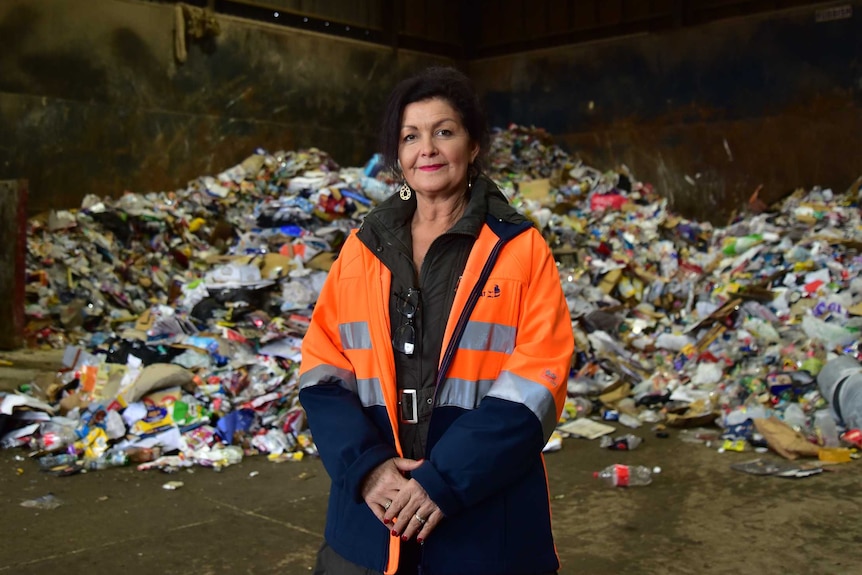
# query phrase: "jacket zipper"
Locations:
[[449, 355]]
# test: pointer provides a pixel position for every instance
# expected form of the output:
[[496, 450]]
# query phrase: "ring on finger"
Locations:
[[419, 518], [387, 505]]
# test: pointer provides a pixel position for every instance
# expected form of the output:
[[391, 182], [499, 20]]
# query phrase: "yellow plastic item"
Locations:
[[834, 455], [196, 224]]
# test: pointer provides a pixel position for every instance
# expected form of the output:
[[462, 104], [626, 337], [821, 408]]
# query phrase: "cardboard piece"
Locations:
[[784, 440], [322, 261], [276, 266], [535, 189], [610, 280], [587, 428], [155, 377], [145, 322], [611, 397], [686, 420], [855, 309]]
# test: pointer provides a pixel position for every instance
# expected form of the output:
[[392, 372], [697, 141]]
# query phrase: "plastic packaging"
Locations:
[[840, 383], [736, 246], [142, 454], [629, 420], [827, 431], [852, 437], [49, 501], [626, 442], [835, 455], [583, 406], [625, 475], [795, 417]]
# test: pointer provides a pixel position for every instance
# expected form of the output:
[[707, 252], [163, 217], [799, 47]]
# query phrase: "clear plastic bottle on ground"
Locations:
[[106, 460], [51, 461], [625, 475], [827, 430]]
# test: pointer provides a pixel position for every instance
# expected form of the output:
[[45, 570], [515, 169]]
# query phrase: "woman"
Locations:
[[435, 366]]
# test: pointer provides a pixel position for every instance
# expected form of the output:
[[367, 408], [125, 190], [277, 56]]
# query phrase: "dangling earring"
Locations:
[[404, 192]]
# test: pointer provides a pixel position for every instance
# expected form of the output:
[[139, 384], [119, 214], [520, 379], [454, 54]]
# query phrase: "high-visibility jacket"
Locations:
[[499, 396]]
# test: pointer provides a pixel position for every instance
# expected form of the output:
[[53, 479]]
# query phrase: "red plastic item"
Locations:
[[611, 201]]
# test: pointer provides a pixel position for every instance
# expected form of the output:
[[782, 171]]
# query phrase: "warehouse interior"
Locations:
[[725, 269], [95, 98]]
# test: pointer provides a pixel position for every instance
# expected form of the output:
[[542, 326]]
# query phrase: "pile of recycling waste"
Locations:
[[182, 313]]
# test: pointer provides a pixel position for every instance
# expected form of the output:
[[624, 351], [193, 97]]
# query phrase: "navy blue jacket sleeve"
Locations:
[[350, 445], [479, 455]]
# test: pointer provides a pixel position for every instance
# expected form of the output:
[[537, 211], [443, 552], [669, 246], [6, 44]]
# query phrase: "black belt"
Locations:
[[416, 404]]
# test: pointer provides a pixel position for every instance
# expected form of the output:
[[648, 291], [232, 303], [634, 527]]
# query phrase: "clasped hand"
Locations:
[[400, 502]]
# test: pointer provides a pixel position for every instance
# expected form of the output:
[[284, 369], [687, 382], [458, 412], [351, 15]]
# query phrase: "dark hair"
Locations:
[[436, 82]]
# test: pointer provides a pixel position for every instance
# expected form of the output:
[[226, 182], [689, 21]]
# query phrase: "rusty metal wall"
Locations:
[[429, 26], [13, 245], [706, 113], [92, 99], [513, 26], [358, 12]]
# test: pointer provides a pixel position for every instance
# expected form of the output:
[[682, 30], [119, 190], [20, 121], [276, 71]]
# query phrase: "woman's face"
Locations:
[[435, 149]]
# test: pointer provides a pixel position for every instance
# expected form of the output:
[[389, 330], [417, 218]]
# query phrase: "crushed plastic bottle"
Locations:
[[625, 475], [53, 436], [736, 246], [52, 461]]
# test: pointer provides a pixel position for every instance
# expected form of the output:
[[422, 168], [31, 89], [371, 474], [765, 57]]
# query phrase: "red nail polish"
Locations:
[[394, 533], [419, 540], [404, 538], [385, 520]]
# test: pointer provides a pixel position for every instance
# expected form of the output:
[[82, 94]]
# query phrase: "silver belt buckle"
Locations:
[[414, 409]]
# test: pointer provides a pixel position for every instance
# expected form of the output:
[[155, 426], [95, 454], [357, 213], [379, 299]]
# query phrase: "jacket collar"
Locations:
[[487, 204]]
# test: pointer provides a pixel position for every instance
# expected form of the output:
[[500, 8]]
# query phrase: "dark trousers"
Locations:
[[331, 563]]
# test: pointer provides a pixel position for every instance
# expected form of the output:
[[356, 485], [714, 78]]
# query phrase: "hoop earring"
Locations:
[[404, 192]]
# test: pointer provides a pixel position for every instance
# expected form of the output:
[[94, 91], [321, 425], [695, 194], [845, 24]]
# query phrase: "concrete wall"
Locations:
[[773, 100], [93, 101]]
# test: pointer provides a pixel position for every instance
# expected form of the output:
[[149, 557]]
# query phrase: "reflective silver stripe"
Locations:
[[534, 395], [326, 375], [355, 335], [370, 392], [463, 393], [485, 336]]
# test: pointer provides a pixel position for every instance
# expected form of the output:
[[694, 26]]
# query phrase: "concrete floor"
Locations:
[[699, 517]]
